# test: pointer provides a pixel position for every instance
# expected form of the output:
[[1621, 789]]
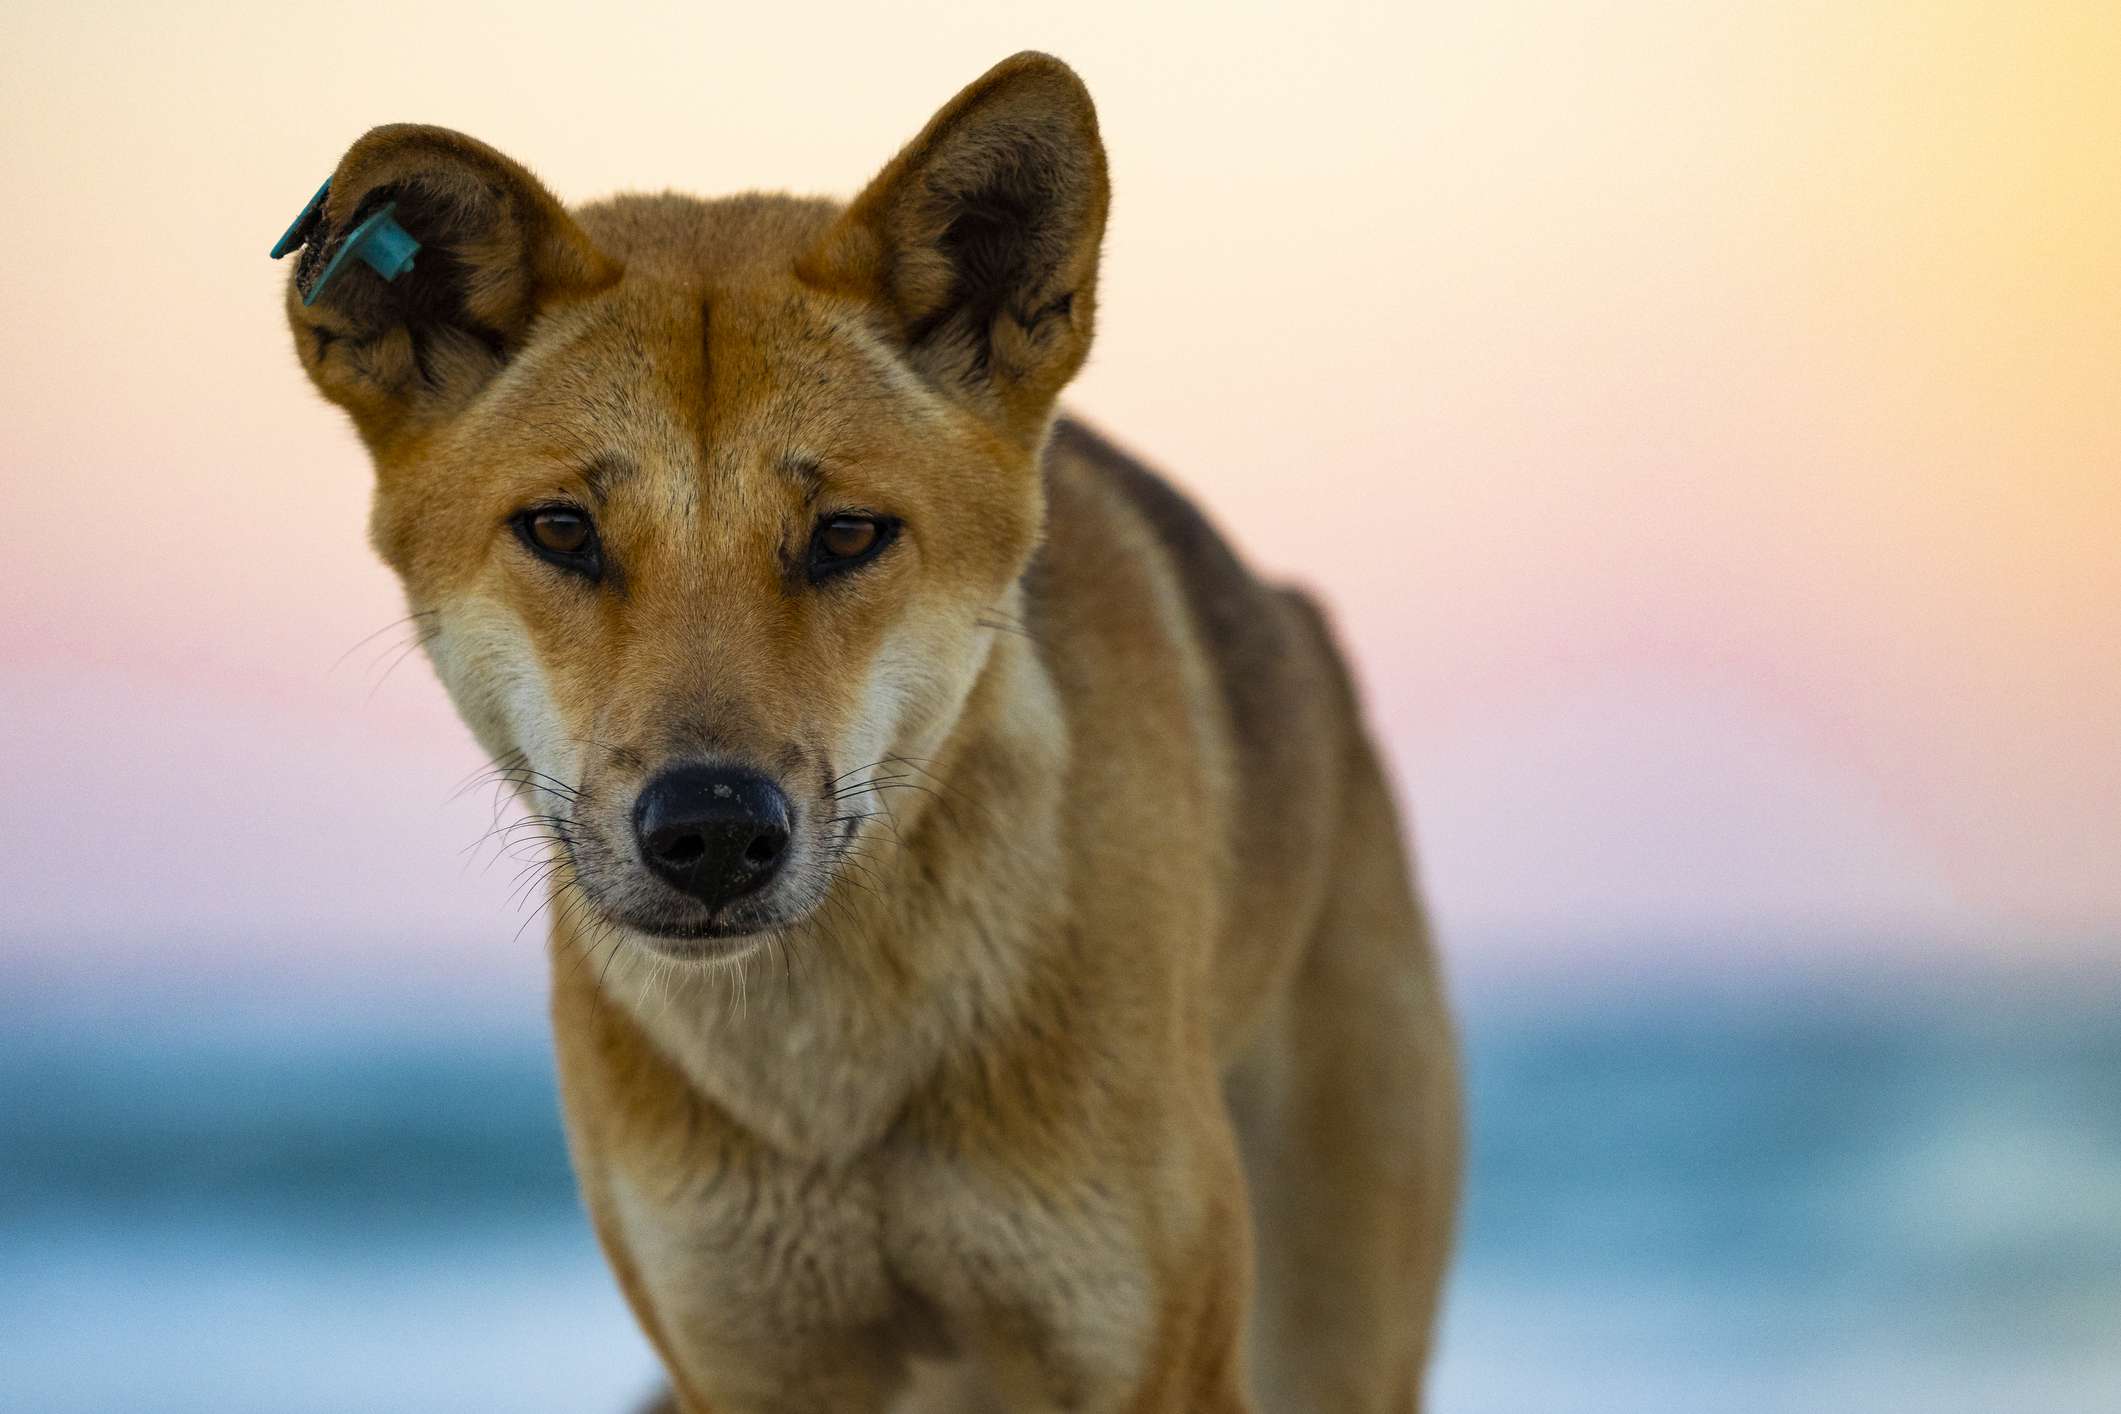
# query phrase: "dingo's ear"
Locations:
[[494, 247], [980, 240]]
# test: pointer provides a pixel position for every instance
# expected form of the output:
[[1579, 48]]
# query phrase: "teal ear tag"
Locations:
[[379, 242], [298, 234]]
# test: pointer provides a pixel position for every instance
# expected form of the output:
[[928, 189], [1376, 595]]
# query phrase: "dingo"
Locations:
[[986, 973]]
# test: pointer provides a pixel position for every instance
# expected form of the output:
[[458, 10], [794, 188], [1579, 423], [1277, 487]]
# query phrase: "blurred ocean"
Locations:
[[1859, 1199]]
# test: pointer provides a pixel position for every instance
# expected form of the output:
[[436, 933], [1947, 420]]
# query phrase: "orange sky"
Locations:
[[1703, 417]]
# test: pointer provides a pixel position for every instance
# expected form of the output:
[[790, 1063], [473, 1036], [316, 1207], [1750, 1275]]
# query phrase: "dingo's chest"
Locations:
[[749, 1248], [772, 1273]]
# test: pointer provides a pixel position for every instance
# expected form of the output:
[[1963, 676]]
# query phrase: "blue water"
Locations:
[[1675, 1203]]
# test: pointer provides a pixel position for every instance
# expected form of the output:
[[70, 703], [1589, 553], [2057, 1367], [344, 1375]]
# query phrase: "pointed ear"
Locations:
[[494, 248], [979, 241]]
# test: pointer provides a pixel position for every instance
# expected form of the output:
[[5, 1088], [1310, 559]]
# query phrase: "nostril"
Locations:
[[682, 851], [766, 848]]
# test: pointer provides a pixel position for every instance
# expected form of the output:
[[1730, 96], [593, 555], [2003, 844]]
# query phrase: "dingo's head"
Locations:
[[704, 502]]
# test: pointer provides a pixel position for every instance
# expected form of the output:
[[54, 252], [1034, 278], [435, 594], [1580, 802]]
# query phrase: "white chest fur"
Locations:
[[770, 1274]]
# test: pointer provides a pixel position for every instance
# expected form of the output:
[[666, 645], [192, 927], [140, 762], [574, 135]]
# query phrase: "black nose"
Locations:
[[713, 832]]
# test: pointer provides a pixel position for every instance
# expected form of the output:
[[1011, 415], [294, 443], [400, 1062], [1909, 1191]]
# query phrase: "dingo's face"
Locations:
[[706, 502], [709, 567]]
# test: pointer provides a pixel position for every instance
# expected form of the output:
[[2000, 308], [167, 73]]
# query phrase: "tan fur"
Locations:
[[1104, 1066]]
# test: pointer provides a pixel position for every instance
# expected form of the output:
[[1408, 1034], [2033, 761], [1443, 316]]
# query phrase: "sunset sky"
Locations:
[[1704, 419]]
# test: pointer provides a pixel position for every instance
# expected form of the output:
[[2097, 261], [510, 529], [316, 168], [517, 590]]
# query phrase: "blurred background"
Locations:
[[1702, 418]]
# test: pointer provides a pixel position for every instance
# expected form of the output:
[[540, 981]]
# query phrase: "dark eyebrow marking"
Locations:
[[807, 471], [605, 473]]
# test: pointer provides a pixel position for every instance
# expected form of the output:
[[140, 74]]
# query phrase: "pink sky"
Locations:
[[1703, 419]]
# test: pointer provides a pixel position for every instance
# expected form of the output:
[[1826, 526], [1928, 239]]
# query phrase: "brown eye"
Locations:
[[564, 536], [844, 542], [848, 537], [562, 532]]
